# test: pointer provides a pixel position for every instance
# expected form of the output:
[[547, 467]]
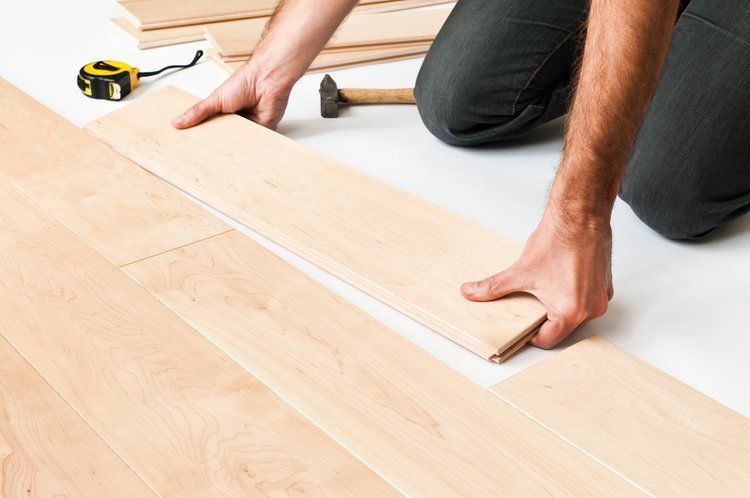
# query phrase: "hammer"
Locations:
[[331, 97]]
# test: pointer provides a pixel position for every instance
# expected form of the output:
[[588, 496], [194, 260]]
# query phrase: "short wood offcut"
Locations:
[[395, 246]]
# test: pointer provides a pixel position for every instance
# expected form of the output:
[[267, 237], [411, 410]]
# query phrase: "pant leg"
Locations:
[[690, 169], [499, 67]]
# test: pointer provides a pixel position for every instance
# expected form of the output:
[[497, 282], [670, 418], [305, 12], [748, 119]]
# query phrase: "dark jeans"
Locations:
[[499, 68]]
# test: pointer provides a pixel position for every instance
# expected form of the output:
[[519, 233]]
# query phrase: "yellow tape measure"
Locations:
[[114, 80]]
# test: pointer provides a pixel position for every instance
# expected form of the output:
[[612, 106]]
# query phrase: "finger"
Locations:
[[198, 113], [494, 287], [551, 333]]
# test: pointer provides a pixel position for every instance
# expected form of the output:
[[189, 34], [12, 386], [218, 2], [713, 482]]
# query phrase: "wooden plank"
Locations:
[[183, 415], [89, 187], [153, 38], [46, 449], [158, 37], [663, 435], [231, 67], [149, 14], [400, 249], [239, 38], [416, 422], [326, 61], [338, 57]]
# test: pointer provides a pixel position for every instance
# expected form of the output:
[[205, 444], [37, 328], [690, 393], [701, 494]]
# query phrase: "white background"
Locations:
[[681, 307]]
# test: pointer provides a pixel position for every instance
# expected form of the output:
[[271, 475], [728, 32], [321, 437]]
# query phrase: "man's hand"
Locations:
[[566, 263], [259, 90], [567, 266], [261, 100]]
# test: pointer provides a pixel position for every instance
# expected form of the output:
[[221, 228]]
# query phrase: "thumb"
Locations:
[[198, 113], [551, 333], [492, 288]]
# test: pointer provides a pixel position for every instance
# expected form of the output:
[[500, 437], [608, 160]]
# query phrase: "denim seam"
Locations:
[[726, 32], [541, 65]]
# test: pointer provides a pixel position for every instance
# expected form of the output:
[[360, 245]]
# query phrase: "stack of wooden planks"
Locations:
[[363, 37], [377, 30], [151, 350], [157, 23]]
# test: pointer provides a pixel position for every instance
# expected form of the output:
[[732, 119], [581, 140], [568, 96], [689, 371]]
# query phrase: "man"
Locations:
[[660, 115]]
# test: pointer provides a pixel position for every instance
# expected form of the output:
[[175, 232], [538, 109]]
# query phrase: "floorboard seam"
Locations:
[[573, 445], [83, 419], [174, 248]]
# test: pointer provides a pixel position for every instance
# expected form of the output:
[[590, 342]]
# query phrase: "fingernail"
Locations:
[[180, 119], [470, 288]]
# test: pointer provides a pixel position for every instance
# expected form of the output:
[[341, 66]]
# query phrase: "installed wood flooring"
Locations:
[[212, 367], [363, 412], [404, 251]]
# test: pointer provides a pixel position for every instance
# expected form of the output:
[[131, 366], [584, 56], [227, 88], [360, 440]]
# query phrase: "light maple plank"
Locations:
[[337, 60], [90, 188], [239, 38], [158, 37], [46, 449], [412, 419], [161, 37], [663, 435], [400, 249], [149, 14], [231, 67], [183, 415]]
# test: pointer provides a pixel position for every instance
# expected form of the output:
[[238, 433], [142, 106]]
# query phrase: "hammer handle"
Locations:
[[369, 96]]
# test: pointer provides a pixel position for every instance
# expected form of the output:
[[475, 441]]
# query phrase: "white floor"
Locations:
[[681, 307]]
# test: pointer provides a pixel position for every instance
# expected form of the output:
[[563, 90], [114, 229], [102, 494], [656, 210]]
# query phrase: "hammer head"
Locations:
[[329, 98]]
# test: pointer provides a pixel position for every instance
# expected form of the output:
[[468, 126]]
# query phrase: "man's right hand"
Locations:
[[262, 100]]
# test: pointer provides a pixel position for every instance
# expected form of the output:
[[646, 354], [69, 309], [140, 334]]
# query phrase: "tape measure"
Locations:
[[114, 80]]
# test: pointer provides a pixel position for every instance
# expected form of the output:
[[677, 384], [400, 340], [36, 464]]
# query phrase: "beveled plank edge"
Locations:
[[73, 230], [512, 349], [72, 409], [568, 441], [339, 270]]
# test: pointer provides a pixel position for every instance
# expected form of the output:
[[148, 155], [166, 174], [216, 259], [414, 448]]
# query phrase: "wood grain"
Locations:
[[158, 37], [183, 415], [239, 38], [327, 61], [231, 67], [153, 38], [416, 422], [46, 449], [149, 14], [90, 188], [661, 434], [400, 249]]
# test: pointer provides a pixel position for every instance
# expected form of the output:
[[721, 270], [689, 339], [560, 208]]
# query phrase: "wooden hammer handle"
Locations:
[[368, 96]]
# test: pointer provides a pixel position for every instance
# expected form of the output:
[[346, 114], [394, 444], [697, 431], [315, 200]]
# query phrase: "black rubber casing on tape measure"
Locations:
[[108, 80]]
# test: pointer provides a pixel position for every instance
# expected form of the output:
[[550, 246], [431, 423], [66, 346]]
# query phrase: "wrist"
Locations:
[[265, 72], [576, 217]]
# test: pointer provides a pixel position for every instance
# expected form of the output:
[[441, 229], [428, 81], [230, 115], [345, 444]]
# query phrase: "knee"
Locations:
[[675, 209], [442, 106], [451, 106]]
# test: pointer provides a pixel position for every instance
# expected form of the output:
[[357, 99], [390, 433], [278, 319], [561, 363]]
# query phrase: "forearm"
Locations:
[[295, 35], [626, 43]]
